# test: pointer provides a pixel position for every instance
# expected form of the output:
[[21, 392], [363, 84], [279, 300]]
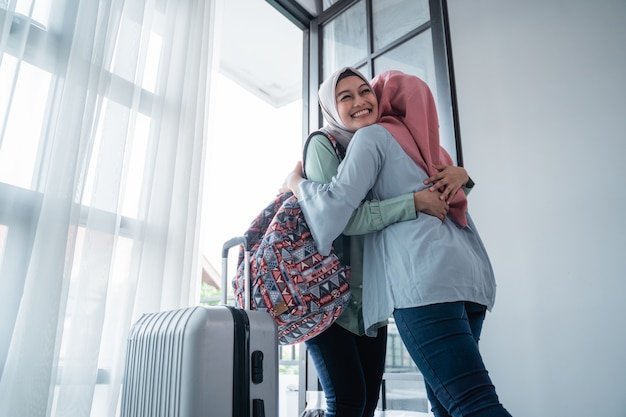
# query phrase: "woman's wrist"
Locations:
[[294, 180]]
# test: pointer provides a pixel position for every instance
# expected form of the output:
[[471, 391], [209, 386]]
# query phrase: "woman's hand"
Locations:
[[448, 180], [291, 181], [430, 203]]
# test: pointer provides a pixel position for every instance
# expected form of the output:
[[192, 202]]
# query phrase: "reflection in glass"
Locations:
[[344, 39], [393, 19]]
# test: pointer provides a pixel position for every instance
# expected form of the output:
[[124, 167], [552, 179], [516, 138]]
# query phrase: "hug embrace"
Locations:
[[415, 252]]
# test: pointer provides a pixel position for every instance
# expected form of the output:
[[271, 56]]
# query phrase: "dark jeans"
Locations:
[[442, 339], [350, 369]]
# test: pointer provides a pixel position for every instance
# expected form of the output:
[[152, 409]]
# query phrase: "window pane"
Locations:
[[314, 7], [136, 166], [118, 290], [406, 392], [41, 11], [23, 7], [416, 57], [344, 39], [404, 384], [309, 5], [328, 3], [8, 73], [20, 143], [153, 56], [105, 157], [395, 18], [412, 57], [131, 43]]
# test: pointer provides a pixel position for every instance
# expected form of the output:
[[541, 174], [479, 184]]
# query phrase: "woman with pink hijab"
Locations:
[[432, 273]]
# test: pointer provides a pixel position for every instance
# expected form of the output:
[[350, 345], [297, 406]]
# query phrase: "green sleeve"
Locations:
[[372, 215]]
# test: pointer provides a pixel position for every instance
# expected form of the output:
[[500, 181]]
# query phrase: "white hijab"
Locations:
[[328, 103]]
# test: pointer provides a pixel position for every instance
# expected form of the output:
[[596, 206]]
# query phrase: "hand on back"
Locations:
[[429, 202], [448, 180]]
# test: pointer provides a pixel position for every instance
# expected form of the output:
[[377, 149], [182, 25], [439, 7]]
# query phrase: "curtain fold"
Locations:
[[105, 226]]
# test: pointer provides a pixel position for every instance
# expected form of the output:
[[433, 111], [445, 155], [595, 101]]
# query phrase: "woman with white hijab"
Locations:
[[349, 364]]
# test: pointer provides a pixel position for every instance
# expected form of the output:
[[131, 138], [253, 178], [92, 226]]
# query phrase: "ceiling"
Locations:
[[261, 50]]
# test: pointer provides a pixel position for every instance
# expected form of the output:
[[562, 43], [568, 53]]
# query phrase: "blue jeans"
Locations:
[[350, 369], [442, 340]]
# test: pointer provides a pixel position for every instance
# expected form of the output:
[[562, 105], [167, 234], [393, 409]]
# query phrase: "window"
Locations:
[[102, 137], [24, 150]]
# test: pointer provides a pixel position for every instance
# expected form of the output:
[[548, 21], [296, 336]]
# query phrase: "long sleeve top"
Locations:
[[407, 264], [371, 215]]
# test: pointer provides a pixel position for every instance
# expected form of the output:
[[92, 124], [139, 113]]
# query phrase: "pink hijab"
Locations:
[[407, 110]]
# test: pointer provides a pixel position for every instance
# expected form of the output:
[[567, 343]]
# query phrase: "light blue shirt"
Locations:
[[407, 264], [321, 165]]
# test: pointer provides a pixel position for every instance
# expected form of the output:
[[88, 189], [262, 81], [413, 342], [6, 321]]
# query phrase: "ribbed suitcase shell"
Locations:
[[217, 361], [192, 362]]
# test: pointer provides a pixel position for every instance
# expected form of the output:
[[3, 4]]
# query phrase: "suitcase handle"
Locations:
[[235, 241]]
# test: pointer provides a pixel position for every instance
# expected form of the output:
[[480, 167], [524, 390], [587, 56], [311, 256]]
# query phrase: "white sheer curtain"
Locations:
[[102, 135]]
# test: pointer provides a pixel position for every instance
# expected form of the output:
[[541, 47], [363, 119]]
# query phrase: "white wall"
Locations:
[[541, 86]]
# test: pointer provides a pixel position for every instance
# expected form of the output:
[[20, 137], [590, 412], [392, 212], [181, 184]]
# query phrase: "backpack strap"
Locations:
[[339, 150], [341, 153]]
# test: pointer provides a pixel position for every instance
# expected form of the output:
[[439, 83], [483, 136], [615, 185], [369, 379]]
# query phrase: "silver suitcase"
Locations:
[[218, 361]]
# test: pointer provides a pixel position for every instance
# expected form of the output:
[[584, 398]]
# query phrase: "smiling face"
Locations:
[[356, 103]]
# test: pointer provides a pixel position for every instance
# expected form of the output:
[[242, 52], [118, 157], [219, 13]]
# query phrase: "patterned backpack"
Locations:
[[304, 291]]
